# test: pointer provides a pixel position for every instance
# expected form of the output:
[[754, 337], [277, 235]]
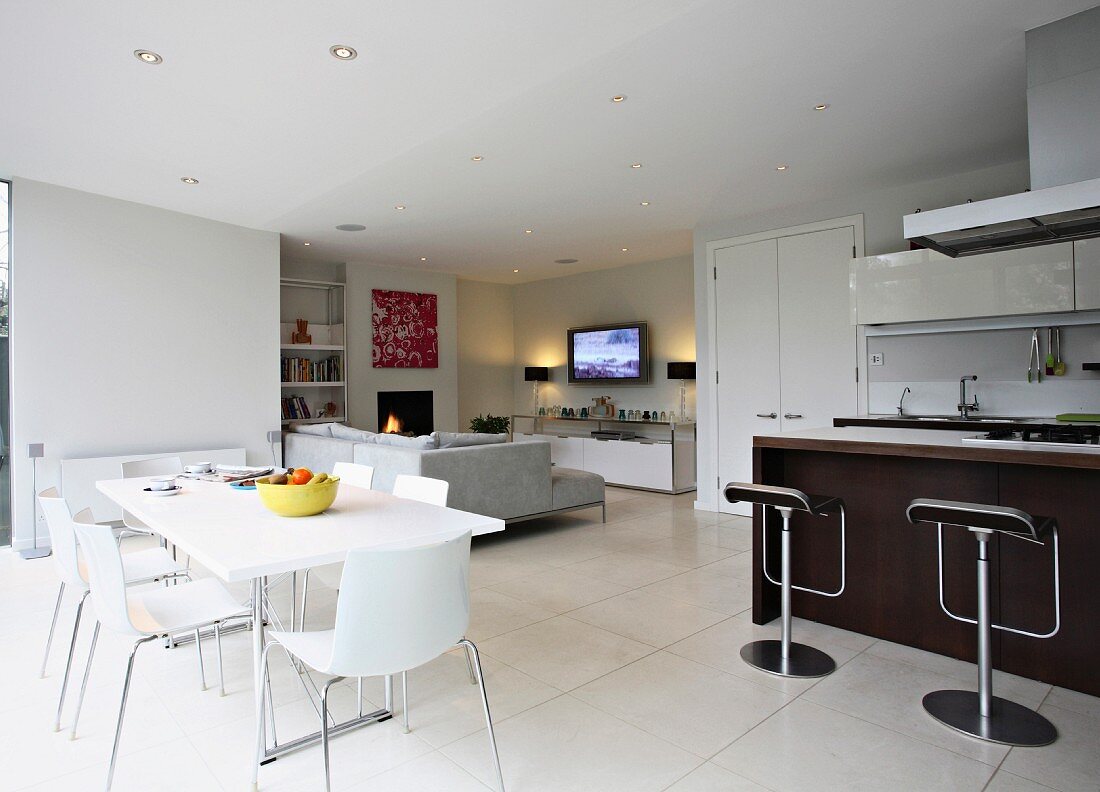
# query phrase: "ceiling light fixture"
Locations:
[[145, 56], [400, 207], [189, 180], [528, 230], [515, 270], [477, 158], [624, 250], [351, 227], [618, 99], [820, 107], [781, 167], [342, 52], [645, 203], [306, 244], [565, 261], [423, 258], [636, 165]]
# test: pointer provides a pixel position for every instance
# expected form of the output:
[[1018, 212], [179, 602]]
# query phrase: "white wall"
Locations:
[[364, 381], [135, 330], [882, 211], [486, 349], [658, 292]]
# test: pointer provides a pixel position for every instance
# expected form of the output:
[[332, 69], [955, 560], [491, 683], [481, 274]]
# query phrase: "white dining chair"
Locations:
[[143, 616], [143, 566], [398, 608], [355, 475], [138, 468], [421, 488]]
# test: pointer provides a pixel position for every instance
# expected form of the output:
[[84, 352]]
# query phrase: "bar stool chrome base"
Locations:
[[802, 662], [1008, 724]]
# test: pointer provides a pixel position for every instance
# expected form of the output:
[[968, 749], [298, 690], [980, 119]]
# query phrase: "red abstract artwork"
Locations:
[[405, 329]]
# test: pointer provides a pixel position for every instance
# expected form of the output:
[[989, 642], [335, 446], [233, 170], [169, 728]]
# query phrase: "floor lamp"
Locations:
[[35, 451], [683, 371]]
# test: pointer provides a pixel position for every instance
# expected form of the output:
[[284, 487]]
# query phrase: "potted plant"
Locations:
[[489, 424]]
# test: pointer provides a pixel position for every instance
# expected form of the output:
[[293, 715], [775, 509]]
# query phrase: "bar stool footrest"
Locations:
[[803, 662], [1009, 724]]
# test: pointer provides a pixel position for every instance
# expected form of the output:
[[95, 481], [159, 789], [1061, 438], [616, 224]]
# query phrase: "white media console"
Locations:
[[661, 457]]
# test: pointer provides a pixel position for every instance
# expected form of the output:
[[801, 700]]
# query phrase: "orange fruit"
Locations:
[[301, 475]]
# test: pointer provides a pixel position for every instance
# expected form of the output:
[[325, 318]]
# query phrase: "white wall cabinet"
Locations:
[[785, 348], [922, 285], [1086, 267]]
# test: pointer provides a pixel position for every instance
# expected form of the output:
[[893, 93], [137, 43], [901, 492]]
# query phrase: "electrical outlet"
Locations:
[[876, 359]]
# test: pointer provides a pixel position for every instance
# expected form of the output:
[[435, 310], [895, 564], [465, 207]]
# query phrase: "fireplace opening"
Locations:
[[405, 412]]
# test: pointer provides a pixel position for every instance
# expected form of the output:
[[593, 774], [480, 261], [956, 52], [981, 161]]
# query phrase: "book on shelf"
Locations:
[[295, 407], [301, 369]]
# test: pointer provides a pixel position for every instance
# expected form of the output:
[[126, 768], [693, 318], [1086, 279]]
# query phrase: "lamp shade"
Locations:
[[536, 374], [682, 371]]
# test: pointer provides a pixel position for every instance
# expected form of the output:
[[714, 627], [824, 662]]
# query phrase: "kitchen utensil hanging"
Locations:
[[1059, 364], [1048, 364], [1034, 362]]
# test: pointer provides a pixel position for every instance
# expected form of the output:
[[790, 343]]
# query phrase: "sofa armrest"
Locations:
[[504, 480]]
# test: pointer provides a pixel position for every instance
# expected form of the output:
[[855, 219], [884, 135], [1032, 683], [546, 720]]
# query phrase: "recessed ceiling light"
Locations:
[[636, 165], [565, 261], [351, 227], [423, 258], [618, 99], [189, 180], [781, 167], [145, 56], [645, 203], [528, 230], [306, 244], [515, 270], [400, 207], [342, 52], [821, 107], [624, 250], [477, 158]]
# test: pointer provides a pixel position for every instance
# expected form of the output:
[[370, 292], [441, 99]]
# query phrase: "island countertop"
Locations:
[[927, 443], [892, 582]]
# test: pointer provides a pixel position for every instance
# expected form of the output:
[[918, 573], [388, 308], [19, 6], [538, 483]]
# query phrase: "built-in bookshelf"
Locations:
[[314, 374]]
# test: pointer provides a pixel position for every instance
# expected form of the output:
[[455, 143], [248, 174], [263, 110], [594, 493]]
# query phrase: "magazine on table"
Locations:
[[227, 473]]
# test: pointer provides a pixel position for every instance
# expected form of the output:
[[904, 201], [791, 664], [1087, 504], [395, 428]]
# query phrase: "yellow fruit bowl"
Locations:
[[298, 500]]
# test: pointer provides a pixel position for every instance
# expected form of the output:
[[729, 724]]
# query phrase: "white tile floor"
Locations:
[[611, 654]]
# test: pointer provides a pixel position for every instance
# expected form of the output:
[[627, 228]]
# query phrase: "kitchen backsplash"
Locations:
[[931, 365]]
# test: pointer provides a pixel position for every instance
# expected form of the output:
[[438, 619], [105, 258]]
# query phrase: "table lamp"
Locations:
[[536, 374], [683, 371]]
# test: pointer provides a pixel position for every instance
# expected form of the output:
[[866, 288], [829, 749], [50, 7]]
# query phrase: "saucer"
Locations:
[[162, 493], [240, 485]]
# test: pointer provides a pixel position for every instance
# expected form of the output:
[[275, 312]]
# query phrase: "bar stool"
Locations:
[[784, 657], [982, 714]]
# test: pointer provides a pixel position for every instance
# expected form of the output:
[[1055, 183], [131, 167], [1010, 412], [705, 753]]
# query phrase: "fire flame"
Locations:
[[393, 425]]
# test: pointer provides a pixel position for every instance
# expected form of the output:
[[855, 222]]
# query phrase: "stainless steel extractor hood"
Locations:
[[1063, 100], [1039, 217]]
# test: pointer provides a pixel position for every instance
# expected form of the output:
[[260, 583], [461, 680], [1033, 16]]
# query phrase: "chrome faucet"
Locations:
[[964, 407], [901, 402]]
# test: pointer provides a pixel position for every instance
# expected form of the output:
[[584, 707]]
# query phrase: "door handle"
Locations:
[[766, 415], [791, 415]]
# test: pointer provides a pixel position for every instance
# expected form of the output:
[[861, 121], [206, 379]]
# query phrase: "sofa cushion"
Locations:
[[345, 432], [575, 487], [421, 443], [464, 439], [321, 429]]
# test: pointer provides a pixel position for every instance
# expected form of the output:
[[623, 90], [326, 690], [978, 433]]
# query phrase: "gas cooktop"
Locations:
[[1081, 438]]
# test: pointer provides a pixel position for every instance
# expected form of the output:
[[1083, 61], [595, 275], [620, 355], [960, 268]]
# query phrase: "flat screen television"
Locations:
[[609, 354]]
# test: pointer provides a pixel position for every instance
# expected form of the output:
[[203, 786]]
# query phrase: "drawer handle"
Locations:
[[767, 415], [791, 415]]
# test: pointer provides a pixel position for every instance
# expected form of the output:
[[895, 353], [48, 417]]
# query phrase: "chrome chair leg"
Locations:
[[324, 730], [53, 625], [270, 707], [122, 710], [198, 653], [84, 683], [469, 665], [305, 593], [69, 662], [359, 690], [221, 670], [261, 727], [485, 705], [405, 699]]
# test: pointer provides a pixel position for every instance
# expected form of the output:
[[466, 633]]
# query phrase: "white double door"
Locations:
[[786, 350]]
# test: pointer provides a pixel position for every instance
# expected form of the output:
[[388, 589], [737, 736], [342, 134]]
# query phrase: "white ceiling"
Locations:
[[284, 137]]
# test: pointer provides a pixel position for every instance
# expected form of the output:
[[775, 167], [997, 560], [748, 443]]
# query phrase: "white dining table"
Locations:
[[234, 536]]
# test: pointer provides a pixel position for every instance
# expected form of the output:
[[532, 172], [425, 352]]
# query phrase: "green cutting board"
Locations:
[[1084, 417]]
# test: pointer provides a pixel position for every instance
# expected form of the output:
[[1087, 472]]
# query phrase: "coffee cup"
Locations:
[[164, 483], [204, 467]]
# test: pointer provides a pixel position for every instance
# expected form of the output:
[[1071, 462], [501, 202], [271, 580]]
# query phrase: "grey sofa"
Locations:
[[509, 481]]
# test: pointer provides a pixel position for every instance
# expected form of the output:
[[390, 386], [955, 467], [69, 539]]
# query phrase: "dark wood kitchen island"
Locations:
[[892, 585]]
